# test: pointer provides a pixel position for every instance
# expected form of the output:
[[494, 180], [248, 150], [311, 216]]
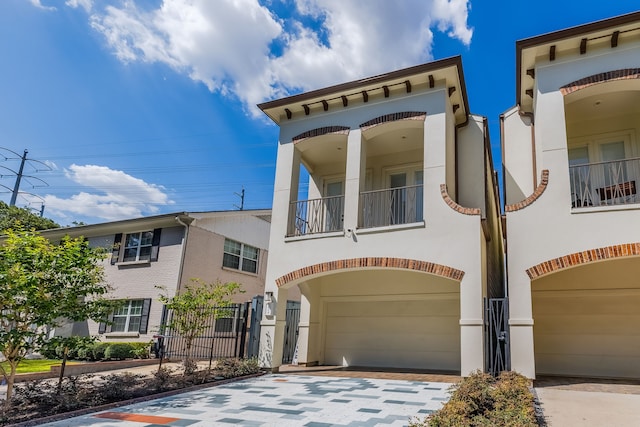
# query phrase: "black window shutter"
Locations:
[[155, 244], [115, 253], [104, 327], [144, 319]]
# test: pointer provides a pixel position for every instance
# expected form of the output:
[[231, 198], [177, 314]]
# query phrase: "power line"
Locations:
[[20, 175]]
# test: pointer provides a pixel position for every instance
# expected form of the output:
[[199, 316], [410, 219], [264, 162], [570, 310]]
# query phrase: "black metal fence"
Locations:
[[224, 333], [291, 332]]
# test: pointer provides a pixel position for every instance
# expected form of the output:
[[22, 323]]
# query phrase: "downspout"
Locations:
[[184, 251]]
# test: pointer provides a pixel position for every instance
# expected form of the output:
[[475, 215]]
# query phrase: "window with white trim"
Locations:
[[126, 318], [137, 246], [240, 256], [129, 316]]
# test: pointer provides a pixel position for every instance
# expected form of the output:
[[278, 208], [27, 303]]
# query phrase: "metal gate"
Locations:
[[253, 346], [496, 318], [291, 331]]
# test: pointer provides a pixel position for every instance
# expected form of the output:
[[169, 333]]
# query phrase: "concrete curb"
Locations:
[[85, 411]]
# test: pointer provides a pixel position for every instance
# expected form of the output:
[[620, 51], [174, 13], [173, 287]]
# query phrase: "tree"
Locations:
[[194, 306], [13, 217], [43, 285]]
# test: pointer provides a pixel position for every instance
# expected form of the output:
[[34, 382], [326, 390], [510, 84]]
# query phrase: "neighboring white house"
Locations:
[[572, 182], [397, 238], [169, 250]]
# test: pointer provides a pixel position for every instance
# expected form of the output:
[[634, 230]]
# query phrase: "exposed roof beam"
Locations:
[[306, 109], [286, 110], [386, 91], [432, 82], [451, 90], [407, 84], [529, 92], [614, 38], [552, 53], [325, 105], [583, 46], [531, 73], [345, 101], [365, 96]]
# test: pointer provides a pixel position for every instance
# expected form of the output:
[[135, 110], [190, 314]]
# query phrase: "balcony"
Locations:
[[605, 183], [392, 206], [315, 216]]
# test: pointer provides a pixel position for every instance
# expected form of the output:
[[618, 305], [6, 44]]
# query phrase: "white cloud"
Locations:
[[117, 195], [39, 5], [85, 4], [229, 44]]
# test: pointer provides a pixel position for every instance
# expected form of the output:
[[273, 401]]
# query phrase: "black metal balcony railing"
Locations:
[[379, 208], [315, 216], [605, 183]]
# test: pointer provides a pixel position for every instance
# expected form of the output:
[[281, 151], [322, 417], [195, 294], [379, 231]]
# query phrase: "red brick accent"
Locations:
[[584, 257], [532, 198], [339, 130], [456, 207], [624, 74], [372, 262], [404, 115]]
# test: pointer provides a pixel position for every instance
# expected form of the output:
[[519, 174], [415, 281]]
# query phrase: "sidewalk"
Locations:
[[572, 402]]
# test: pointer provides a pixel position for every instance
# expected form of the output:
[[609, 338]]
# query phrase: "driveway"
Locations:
[[282, 400]]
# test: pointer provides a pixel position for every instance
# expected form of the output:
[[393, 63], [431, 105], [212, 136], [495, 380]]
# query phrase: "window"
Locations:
[[130, 316], [141, 246], [137, 246], [240, 256]]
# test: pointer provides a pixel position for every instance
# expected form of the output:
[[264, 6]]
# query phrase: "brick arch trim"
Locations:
[[453, 205], [404, 115], [584, 257], [338, 130], [373, 262], [533, 197], [624, 74]]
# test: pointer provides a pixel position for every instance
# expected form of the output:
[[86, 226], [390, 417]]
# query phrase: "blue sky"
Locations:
[[148, 106]]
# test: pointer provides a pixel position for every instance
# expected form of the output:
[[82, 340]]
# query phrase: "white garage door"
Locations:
[[402, 334], [587, 332]]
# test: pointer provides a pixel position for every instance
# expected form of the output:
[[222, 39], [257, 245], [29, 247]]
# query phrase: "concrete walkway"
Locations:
[[572, 402], [282, 400]]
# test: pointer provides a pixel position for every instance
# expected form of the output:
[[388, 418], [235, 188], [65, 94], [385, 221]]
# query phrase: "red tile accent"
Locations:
[[338, 130], [532, 198], [583, 257], [404, 115], [377, 262], [453, 205], [139, 418], [624, 74]]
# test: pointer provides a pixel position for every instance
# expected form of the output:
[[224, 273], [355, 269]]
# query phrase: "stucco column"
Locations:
[[471, 323], [308, 328], [272, 330], [352, 179], [434, 172], [521, 324]]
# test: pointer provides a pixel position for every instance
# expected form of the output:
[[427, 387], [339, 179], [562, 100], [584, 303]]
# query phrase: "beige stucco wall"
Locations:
[[442, 228], [549, 228]]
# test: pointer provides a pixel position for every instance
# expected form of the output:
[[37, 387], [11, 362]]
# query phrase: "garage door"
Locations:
[[587, 332], [402, 334]]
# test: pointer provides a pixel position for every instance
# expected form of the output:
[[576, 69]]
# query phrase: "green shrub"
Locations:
[[119, 351], [98, 350], [231, 367], [141, 349], [481, 400]]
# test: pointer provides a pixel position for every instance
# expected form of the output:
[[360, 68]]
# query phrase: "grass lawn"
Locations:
[[27, 366]]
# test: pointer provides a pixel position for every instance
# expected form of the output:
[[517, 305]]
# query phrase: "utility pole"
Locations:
[[20, 175], [241, 195], [16, 188]]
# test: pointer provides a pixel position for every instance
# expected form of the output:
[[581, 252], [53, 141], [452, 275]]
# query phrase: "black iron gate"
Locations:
[[496, 318], [253, 345], [291, 331]]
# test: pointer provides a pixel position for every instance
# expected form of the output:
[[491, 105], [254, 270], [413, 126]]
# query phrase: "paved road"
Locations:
[[282, 400]]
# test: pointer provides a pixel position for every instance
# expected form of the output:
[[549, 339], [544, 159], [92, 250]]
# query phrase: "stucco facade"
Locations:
[[388, 247], [570, 153], [190, 245]]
